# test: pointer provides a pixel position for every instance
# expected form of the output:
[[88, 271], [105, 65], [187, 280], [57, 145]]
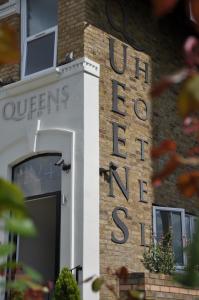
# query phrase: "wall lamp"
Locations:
[[61, 163], [77, 270]]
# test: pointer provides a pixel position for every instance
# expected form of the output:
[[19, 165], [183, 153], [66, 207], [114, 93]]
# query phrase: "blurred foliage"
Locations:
[[121, 274], [15, 220], [190, 278], [187, 108], [9, 45]]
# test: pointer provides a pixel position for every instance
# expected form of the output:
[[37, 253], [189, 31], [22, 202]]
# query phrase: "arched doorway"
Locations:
[[40, 179]]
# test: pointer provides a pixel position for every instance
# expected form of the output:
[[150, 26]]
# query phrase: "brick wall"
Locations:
[[71, 16], [156, 286]]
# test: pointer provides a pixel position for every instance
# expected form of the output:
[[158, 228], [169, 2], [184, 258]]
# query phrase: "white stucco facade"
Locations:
[[59, 113]]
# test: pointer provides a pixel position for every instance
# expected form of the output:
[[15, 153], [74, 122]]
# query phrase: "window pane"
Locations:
[[40, 252], [40, 54], [41, 15], [171, 221], [194, 226], [163, 223], [38, 175], [188, 228], [177, 238]]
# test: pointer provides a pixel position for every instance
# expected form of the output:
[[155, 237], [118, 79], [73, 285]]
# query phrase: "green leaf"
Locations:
[[188, 98], [19, 285], [24, 227], [7, 249], [34, 275], [135, 295], [12, 265], [97, 284], [11, 198]]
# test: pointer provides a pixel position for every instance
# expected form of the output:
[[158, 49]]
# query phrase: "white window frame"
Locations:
[[25, 39], [171, 209]]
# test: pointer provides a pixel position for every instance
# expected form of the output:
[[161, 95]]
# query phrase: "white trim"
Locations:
[[23, 36], [9, 8]]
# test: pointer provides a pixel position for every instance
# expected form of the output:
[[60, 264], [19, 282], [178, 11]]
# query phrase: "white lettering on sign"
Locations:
[[36, 105]]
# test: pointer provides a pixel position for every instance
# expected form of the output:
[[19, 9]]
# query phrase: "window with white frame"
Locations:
[[166, 220], [182, 227], [39, 32]]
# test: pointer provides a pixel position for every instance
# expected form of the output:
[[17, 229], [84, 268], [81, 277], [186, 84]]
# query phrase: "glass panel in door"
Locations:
[[42, 252]]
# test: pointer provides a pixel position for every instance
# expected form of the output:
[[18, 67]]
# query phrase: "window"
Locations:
[[40, 180], [168, 219], [182, 227], [39, 31]]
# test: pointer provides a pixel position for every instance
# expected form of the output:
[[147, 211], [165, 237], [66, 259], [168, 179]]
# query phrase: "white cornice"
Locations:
[[9, 8], [82, 65]]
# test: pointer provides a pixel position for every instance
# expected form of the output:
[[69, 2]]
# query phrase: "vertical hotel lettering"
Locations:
[[119, 131]]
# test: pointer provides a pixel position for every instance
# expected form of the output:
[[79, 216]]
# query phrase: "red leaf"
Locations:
[[194, 150], [169, 168], [164, 148], [191, 51], [194, 5], [191, 129], [160, 87], [122, 273], [188, 183], [167, 81], [162, 7]]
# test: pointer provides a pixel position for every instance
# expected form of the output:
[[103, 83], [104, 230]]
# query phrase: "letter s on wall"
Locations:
[[120, 225]]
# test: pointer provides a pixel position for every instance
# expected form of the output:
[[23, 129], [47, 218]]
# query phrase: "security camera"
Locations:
[[61, 163]]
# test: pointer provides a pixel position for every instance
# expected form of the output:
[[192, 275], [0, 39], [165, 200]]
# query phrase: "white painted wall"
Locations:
[[72, 128]]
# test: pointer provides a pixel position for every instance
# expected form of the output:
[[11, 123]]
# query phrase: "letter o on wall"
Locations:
[[141, 109], [8, 111]]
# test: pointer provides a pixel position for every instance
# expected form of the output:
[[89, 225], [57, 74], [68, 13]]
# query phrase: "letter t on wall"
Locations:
[[142, 152]]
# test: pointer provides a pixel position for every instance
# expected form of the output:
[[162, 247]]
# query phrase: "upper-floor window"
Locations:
[[39, 32]]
